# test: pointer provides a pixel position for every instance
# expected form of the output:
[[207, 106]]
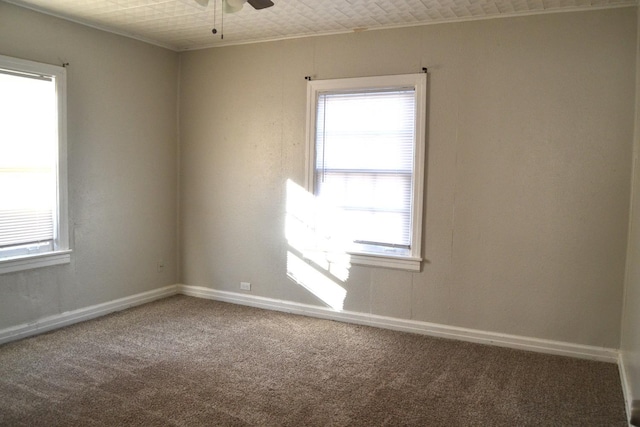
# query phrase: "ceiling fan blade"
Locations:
[[260, 4]]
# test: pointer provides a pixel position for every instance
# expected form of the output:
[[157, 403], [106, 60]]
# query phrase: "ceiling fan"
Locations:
[[231, 6]]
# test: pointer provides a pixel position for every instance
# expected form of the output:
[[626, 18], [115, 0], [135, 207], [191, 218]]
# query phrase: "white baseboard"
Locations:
[[70, 317], [424, 328]]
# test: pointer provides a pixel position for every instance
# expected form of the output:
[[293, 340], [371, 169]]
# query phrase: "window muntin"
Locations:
[[366, 145], [33, 213]]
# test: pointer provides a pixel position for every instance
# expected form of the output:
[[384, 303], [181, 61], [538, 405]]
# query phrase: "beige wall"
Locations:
[[528, 170], [122, 109], [630, 342]]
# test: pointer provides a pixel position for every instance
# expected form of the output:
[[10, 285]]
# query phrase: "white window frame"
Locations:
[[61, 253], [413, 260]]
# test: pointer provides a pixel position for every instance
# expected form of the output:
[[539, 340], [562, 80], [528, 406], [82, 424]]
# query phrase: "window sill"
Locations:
[[386, 261], [10, 265]]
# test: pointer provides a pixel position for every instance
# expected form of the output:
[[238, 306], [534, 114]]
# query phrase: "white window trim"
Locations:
[[413, 261], [61, 253], [29, 262]]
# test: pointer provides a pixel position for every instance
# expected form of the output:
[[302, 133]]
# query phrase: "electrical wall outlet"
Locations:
[[245, 286]]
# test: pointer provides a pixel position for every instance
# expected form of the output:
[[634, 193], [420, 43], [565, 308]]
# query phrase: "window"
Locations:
[[33, 182], [366, 142]]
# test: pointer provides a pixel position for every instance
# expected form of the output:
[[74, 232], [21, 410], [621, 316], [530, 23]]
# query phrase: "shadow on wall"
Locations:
[[317, 258]]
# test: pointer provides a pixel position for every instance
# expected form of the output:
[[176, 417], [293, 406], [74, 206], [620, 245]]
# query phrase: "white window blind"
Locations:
[[364, 160], [28, 160]]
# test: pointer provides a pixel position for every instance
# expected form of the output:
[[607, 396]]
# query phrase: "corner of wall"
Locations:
[[628, 328], [178, 160]]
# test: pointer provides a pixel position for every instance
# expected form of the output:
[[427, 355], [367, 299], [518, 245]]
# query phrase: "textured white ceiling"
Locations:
[[184, 24]]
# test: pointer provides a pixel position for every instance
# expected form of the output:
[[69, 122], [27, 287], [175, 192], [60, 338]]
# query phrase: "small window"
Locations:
[[33, 182], [366, 153]]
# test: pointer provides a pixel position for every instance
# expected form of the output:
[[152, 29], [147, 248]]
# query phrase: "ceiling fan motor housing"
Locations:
[[232, 6]]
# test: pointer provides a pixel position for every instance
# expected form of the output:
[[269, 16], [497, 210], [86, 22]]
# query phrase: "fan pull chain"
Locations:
[[214, 31]]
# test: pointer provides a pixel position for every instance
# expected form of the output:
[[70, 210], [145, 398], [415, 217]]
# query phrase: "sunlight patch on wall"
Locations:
[[315, 282], [318, 234], [317, 231]]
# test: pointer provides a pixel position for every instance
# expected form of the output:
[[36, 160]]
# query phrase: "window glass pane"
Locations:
[[28, 159], [366, 130], [364, 161], [380, 228]]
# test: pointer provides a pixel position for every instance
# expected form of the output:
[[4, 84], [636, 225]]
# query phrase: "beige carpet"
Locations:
[[190, 362]]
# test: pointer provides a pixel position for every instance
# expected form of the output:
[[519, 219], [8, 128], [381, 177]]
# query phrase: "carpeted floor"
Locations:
[[185, 361]]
